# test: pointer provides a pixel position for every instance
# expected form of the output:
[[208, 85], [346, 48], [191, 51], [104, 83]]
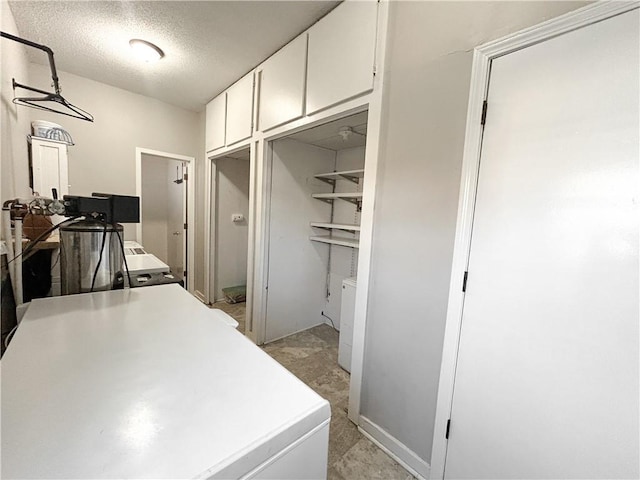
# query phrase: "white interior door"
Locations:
[[177, 217], [547, 376]]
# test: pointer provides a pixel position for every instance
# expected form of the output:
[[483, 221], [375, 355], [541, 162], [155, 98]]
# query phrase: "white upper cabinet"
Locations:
[[342, 50], [215, 122], [240, 110], [281, 80]]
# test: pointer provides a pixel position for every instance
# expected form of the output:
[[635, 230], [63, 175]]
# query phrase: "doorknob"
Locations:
[[176, 233]]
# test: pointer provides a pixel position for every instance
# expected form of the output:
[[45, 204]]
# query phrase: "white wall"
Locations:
[[103, 158], [232, 239], [428, 72], [297, 266], [155, 204], [15, 121]]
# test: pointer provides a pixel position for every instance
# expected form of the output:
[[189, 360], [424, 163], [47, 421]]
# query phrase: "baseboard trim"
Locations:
[[199, 295], [394, 448]]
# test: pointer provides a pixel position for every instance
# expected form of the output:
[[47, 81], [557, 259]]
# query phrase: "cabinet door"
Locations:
[[341, 55], [240, 109], [281, 79], [49, 167], [215, 122]]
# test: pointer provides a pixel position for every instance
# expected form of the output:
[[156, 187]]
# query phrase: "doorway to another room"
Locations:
[[165, 204], [230, 233]]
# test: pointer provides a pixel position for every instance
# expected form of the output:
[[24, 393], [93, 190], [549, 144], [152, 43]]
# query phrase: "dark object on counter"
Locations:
[[36, 226], [104, 206], [151, 279], [36, 275]]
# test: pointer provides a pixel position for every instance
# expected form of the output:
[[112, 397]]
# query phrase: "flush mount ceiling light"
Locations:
[[146, 51]]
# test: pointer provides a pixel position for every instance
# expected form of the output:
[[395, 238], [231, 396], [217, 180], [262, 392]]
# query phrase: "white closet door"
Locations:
[[239, 110], [342, 49], [547, 375], [282, 82], [49, 167], [216, 114]]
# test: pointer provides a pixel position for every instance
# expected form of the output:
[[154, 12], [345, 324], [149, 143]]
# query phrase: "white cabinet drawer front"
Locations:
[[215, 122], [282, 82], [341, 55], [239, 109]]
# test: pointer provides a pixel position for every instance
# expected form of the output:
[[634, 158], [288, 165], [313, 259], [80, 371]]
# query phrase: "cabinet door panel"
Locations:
[[49, 167], [282, 80], [215, 122], [341, 55], [239, 109]]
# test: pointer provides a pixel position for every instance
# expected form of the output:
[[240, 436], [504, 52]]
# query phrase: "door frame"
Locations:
[[212, 238], [189, 242], [480, 73]]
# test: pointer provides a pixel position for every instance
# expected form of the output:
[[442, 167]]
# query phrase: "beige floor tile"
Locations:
[[365, 461], [312, 355], [236, 310]]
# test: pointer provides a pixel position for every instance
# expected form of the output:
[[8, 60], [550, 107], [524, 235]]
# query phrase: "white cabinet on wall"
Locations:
[[240, 110], [342, 49], [282, 82], [49, 167], [215, 122]]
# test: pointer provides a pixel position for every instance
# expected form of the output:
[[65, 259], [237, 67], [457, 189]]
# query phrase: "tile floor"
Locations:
[[312, 356], [236, 310]]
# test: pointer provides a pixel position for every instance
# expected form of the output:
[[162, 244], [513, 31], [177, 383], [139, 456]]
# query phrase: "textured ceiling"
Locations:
[[207, 44]]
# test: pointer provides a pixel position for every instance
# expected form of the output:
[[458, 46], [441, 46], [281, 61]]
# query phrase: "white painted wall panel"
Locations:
[[216, 112], [430, 45], [239, 110], [155, 206], [232, 196], [297, 266], [341, 54], [282, 81]]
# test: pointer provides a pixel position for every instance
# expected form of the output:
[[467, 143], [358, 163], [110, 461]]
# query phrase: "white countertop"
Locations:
[[145, 263], [143, 383]]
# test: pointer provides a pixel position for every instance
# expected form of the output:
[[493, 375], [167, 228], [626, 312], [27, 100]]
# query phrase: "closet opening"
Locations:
[[230, 233], [314, 200]]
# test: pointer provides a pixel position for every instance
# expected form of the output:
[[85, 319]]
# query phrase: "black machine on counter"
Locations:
[[92, 248], [91, 242]]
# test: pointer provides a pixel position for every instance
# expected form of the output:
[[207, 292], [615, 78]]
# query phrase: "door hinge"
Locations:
[[375, 70], [446, 435], [464, 282], [185, 177], [185, 226], [483, 118]]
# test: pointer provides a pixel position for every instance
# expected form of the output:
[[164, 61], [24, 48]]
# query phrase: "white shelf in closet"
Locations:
[[336, 226], [349, 196], [331, 177], [330, 239]]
